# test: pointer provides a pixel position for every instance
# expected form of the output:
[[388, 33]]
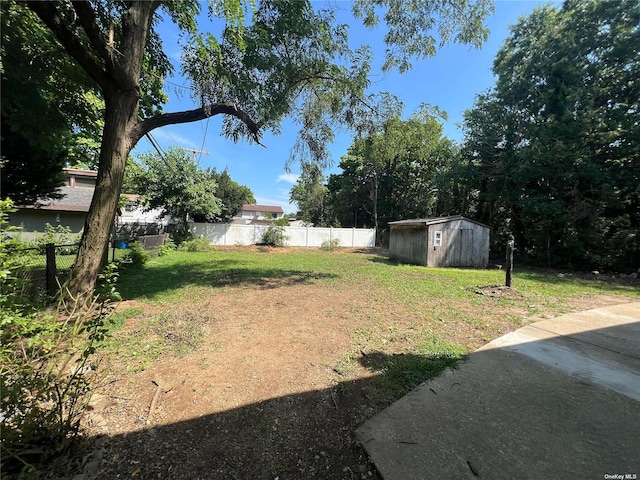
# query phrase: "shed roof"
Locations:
[[431, 221]]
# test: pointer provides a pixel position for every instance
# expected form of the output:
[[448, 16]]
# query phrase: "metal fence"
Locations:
[[42, 269]]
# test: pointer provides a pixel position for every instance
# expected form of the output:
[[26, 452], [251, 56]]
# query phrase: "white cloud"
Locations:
[[288, 177]]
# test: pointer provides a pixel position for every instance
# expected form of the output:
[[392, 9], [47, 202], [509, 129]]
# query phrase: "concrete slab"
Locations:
[[542, 402]]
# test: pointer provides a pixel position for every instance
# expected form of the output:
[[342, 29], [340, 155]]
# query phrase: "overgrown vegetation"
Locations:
[[200, 244], [166, 248], [275, 235], [47, 367], [136, 255], [329, 245]]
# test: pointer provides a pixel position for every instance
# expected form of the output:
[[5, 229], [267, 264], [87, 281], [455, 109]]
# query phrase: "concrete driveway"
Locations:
[[555, 399]]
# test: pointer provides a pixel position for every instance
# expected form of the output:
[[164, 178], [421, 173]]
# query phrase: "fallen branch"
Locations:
[[154, 400]]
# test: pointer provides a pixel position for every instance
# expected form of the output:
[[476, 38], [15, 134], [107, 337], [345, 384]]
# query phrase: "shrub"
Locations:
[[199, 244], [166, 248], [59, 235], [329, 245], [275, 236], [47, 366], [137, 255]]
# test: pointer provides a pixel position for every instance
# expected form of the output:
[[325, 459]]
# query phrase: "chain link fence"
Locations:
[[42, 269]]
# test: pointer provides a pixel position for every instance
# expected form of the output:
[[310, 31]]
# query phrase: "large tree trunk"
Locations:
[[120, 117], [117, 73]]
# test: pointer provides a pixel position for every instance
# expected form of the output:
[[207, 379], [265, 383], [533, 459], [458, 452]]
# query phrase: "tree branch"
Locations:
[[151, 123], [51, 17], [87, 20]]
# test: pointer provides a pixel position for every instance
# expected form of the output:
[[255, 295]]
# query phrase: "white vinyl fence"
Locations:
[[231, 235]]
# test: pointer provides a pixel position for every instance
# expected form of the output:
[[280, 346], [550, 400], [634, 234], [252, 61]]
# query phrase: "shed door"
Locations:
[[460, 248]]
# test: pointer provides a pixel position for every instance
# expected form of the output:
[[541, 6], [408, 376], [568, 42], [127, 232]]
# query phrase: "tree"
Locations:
[[176, 184], [284, 58], [50, 109], [393, 174], [311, 196], [232, 196], [559, 165]]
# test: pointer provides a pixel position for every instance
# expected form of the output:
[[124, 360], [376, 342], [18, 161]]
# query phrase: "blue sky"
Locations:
[[449, 80]]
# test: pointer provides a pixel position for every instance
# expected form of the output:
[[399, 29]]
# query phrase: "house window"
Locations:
[[130, 207], [437, 238]]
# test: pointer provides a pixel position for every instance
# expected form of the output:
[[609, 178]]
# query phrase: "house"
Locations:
[[134, 212], [71, 210], [258, 214], [453, 241]]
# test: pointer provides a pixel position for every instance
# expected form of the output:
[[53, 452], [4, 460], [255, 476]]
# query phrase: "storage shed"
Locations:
[[440, 242]]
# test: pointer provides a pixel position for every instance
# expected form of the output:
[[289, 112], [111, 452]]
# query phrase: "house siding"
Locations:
[[33, 220]]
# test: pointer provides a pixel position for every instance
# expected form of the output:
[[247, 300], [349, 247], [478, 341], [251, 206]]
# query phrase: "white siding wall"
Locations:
[[230, 235]]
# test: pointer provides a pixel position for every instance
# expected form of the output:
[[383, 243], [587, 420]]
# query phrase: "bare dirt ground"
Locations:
[[261, 397]]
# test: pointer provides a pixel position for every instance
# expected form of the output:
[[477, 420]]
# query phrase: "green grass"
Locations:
[[172, 277], [177, 331], [404, 315]]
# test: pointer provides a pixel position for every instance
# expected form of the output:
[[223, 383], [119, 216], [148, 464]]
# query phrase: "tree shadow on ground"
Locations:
[[489, 401], [604, 282], [384, 260], [305, 435], [135, 283]]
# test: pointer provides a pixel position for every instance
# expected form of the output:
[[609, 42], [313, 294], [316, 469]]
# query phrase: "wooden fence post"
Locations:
[[51, 273], [509, 266]]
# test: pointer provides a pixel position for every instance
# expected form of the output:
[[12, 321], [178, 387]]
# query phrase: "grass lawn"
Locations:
[[269, 358]]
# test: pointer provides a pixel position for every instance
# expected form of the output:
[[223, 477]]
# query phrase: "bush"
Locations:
[[59, 235], [166, 248], [136, 255], [275, 236], [47, 366], [329, 245], [200, 244]]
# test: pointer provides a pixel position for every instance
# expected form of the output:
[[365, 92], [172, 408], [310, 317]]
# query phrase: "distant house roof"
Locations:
[[81, 173], [74, 200], [431, 221], [262, 208]]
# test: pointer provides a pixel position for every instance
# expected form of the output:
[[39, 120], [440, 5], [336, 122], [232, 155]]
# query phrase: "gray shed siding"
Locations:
[[464, 243], [408, 244]]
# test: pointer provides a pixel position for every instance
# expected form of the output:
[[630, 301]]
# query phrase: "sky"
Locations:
[[450, 80]]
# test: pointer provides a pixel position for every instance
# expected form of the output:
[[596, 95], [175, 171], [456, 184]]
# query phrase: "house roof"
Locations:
[[74, 200], [431, 221], [262, 208], [80, 173]]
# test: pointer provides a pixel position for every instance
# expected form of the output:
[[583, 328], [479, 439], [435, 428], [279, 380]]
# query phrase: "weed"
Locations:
[[177, 331], [330, 245], [118, 317], [47, 368], [275, 236], [137, 255], [167, 248], [199, 244]]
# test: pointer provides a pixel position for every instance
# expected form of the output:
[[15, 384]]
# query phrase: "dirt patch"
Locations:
[[274, 389], [257, 399]]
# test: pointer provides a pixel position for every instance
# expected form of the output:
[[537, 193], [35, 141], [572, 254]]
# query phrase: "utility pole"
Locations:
[[194, 151]]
